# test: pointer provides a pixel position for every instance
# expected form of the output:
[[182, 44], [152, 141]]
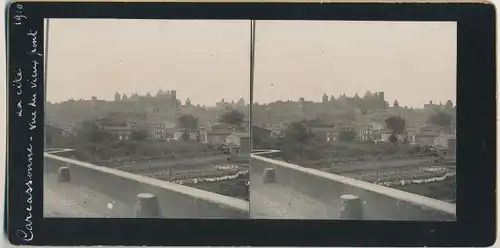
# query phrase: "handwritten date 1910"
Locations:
[[19, 16]]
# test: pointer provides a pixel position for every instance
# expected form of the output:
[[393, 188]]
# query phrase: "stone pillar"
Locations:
[[269, 175], [147, 206], [352, 207], [63, 175]]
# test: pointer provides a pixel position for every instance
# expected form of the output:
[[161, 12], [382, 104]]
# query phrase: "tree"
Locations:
[[89, 131], [396, 124], [350, 115], [393, 138], [189, 123], [449, 104], [232, 117], [297, 138], [347, 135], [185, 136], [297, 132], [139, 135], [396, 104], [441, 119]]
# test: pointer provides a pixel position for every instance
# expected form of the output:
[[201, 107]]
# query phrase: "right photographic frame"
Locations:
[[354, 120]]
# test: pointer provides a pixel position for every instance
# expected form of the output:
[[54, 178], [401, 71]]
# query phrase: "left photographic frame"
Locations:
[[146, 118], [138, 120]]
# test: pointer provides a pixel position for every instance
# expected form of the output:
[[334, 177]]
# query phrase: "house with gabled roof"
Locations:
[[446, 144], [238, 141], [423, 135]]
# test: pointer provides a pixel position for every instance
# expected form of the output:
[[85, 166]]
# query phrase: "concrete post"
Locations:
[[63, 175], [147, 206], [352, 207], [269, 175]]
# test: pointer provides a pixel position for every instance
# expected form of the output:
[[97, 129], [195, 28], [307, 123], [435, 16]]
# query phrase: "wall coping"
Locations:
[[58, 150], [379, 189], [263, 152], [181, 189]]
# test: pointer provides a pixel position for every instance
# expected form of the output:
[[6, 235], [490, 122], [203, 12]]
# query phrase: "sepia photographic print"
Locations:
[[251, 124], [147, 118], [151, 119], [355, 120]]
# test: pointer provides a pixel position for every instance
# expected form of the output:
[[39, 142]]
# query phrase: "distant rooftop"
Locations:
[[324, 129], [241, 134], [448, 136], [220, 132]]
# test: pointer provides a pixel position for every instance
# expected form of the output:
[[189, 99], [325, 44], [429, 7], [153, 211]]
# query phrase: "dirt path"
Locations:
[[373, 165], [166, 163], [397, 174]]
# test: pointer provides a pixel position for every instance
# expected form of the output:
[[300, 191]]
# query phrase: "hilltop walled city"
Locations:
[[207, 147]]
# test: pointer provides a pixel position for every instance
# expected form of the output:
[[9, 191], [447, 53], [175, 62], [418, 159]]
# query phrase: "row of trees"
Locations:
[[300, 143], [93, 143], [89, 131], [297, 139], [297, 131], [398, 125]]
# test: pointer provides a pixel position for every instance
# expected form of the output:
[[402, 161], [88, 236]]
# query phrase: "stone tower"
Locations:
[[301, 106], [325, 98], [173, 94], [381, 96]]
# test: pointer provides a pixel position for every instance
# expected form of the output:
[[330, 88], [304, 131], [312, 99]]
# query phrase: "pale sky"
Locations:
[[412, 62], [209, 60], [203, 60]]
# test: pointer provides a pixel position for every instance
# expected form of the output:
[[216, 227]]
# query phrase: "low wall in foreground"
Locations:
[[174, 201], [379, 202]]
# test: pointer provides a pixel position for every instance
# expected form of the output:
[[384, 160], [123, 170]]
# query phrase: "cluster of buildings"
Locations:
[[368, 101], [443, 140], [437, 107], [154, 114], [226, 136], [374, 101], [423, 136], [122, 125], [329, 108], [225, 105], [161, 102], [75, 111]]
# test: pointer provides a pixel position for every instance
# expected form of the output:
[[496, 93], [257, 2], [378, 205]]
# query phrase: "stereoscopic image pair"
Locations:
[[239, 119]]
